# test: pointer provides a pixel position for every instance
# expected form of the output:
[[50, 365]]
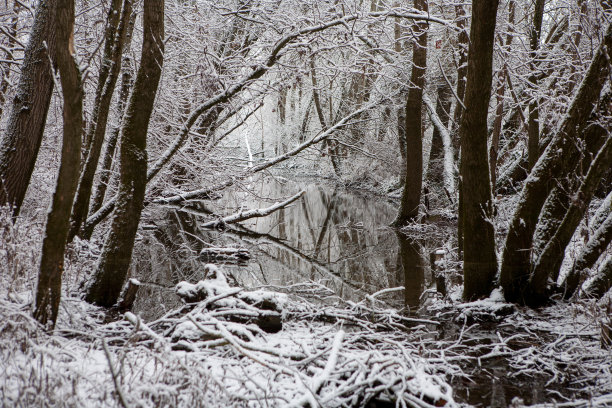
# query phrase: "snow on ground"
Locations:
[[334, 355]]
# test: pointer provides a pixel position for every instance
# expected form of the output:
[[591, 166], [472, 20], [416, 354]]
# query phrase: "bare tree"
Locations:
[[516, 264], [26, 123], [117, 252], [115, 37], [48, 291], [413, 129], [479, 258]]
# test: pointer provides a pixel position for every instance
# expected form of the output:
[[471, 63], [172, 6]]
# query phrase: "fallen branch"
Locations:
[[245, 215], [114, 375]]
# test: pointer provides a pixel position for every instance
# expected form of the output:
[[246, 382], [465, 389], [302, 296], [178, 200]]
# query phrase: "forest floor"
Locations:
[[329, 352]]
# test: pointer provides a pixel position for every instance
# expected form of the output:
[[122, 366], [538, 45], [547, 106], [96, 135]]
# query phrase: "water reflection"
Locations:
[[413, 267], [338, 238]]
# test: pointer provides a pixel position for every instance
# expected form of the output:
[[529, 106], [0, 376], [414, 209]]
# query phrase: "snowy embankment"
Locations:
[[213, 352]]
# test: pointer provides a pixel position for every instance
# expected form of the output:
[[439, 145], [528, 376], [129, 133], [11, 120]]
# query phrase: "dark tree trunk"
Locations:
[[111, 143], [411, 195], [533, 122], [109, 72], [116, 255], [559, 200], [590, 254], [412, 265], [549, 262], [463, 41], [554, 207], [401, 139], [48, 292], [553, 164], [26, 122], [479, 258], [602, 281]]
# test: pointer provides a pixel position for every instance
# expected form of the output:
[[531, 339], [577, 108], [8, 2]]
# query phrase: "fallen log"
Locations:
[[214, 298], [234, 255]]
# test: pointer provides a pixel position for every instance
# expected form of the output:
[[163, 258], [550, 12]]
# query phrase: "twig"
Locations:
[[114, 374]]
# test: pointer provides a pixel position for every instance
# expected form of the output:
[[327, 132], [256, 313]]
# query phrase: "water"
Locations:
[[332, 236]]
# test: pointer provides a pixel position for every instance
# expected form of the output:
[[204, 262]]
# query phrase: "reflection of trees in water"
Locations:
[[341, 230], [413, 267], [168, 255], [329, 235]]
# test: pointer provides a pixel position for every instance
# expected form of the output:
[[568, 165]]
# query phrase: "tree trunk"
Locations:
[[479, 258], [116, 255], [48, 292], [107, 160], [533, 122], [499, 110], [549, 262], [26, 123], [411, 263], [589, 255], [559, 200], [515, 268], [111, 65], [602, 281], [411, 195], [554, 207]]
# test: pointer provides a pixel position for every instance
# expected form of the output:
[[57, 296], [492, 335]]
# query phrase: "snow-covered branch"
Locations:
[[257, 213]]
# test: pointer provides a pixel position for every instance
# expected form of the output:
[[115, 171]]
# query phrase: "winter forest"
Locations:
[[289, 203]]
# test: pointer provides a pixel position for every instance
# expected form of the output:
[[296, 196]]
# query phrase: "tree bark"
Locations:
[[589, 255], [48, 291], [26, 123], [107, 160], [479, 258], [516, 265], [549, 263], [533, 122], [116, 255], [114, 39], [411, 195], [559, 200], [401, 140], [463, 41], [602, 281]]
